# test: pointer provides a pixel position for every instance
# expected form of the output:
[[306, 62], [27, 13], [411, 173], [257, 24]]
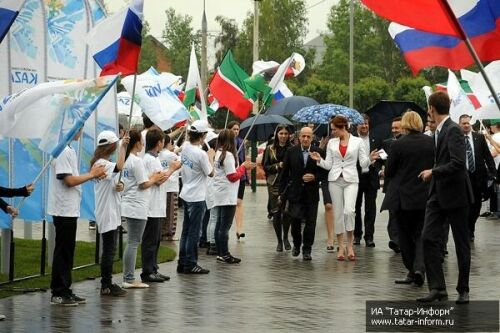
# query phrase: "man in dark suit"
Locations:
[[481, 167], [368, 186], [450, 195], [299, 186], [392, 226]]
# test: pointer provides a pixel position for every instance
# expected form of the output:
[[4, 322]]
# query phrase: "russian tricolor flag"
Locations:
[[480, 19], [116, 42], [9, 9]]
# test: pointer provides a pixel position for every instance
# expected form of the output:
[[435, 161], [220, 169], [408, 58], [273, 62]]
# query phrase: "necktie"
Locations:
[[470, 156], [305, 154]]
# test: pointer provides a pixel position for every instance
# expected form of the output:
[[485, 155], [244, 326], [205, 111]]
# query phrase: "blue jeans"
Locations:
[[135, 230], [190, 236], [224, 221], [214, 215]]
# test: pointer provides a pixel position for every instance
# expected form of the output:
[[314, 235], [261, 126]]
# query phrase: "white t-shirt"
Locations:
[[158, 196], [107, 199], [224, 192], [135, 202], [195, 170], [209, 200], [166, 157], [64, 200], [496, 137], [143, 136]]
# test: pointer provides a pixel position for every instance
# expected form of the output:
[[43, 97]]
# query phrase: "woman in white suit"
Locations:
[[342, 154]]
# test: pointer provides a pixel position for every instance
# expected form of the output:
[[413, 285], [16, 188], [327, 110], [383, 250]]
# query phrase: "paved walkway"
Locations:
[[268, 291]]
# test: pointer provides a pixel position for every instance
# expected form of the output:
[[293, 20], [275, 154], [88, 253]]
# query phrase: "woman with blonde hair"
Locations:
[[407, 193]]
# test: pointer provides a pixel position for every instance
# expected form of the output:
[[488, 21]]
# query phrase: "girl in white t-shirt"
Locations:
[[107, 205], [135, 205], [225, 192]]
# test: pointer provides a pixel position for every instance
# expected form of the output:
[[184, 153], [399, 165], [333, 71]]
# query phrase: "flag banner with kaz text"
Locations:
[[53, 111]]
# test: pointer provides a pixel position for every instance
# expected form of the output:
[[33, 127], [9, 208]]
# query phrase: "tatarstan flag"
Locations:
[[228, 87]]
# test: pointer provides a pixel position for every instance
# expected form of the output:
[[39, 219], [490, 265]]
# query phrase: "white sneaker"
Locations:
[[134, 285]]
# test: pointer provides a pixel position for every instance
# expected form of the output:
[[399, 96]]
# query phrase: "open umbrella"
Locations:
[[263, 128], [321, 114], [290, 105], [382, 114]]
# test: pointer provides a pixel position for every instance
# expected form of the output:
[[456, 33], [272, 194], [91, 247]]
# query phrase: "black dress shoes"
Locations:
[[394, 246], [279, 247], [434, 295], [419, 279], [370, 243], [306, 255], [357, 240], [407, 280], [295, 251], [463, 298], [288, 247]]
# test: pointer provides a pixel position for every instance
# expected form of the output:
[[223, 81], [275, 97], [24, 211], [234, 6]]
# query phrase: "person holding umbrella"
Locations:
[[342, 154]]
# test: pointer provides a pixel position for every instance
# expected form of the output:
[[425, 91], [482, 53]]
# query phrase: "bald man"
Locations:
[[299, 187]]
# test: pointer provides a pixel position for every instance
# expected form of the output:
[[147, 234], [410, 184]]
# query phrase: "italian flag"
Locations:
[[228, 87], [193, 83]]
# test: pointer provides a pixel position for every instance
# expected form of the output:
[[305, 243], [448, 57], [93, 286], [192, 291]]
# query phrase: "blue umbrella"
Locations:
[[321, 114], [290, 105]]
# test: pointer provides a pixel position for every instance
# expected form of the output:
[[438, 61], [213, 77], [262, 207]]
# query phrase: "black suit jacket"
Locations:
[[484, 163], [9, 193], [386, 146], [294, 169], [372, 175], [410, 155], [450, 182]]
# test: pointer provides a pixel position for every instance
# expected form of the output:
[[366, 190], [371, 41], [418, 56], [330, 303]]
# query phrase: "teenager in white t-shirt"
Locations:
[[135, 205], [64, 206], [169, 224], [225, 192], [157, 208], [197, 166], [107, 205]]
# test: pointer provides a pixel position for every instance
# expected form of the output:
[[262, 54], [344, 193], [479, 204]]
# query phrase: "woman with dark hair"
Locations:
[[135, 204], [273, 164], [241, 152], [107, 205], [225, 192], [343, 152]]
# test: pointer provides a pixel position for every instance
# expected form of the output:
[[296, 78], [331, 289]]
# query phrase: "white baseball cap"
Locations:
[[199, 126], [106, 138]]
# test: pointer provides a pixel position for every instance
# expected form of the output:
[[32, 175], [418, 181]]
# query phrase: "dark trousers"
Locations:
[[225, 216], [392, 226], [64, 251], [108, 254], [150, 245], [190, 236], [204, 226], [370, 195], [410, 224], [432, 237], [308, 214], [475, 208]]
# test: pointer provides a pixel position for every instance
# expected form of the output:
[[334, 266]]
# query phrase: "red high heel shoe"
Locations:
[[351, 257], [341, 257]]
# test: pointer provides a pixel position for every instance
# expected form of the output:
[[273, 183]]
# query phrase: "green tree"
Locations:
[[369, 91], [227, 38], [410, 89], [178, 36]]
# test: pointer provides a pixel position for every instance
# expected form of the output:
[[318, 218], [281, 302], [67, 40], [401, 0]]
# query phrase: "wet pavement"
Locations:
[[268, 291]]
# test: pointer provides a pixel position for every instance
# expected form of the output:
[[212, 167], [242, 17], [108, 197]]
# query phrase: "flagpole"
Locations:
[[37, 178], [472, 51], [253, 123], [132, 103], [227, 119]]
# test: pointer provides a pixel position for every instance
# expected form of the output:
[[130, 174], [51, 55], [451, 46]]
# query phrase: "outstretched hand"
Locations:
[[315, 155]]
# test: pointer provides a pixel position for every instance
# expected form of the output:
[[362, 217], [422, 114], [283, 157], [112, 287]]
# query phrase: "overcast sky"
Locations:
[[154, 12]]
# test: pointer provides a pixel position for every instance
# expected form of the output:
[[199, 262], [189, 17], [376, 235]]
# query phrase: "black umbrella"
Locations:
[[263, 128], [290, 105], [382, 114]]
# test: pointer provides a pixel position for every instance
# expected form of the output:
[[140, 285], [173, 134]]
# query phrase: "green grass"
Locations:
[[27, 263]]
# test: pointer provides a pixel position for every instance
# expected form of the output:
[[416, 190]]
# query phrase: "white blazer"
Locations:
[[346, 165]]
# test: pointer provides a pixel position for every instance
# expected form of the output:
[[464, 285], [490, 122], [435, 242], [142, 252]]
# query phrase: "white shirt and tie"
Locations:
[[469, 152], [366, 142]]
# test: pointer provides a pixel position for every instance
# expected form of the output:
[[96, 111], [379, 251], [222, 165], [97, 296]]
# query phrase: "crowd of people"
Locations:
[[434, 180]]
